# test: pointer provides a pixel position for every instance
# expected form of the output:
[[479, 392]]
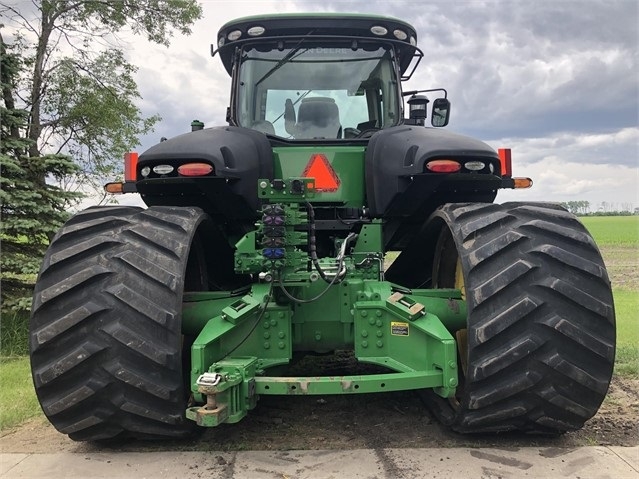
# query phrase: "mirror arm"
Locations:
[[413, 92]]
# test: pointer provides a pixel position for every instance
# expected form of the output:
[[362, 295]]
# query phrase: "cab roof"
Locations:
[[330, 26]]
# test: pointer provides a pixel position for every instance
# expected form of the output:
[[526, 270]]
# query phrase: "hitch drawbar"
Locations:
[[398, 333]]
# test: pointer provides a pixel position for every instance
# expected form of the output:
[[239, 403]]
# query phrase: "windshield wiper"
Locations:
[[285, 59]]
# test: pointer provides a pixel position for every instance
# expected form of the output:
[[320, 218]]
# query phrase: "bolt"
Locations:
[[452, 364], [263, 184], [281, 335], [379, 333], [378, 313], [318, 336], [266, 325], [364, 333], [379, 323], [267, 335], [364, 313], [452, 382], [281, 345], [364, 344], [280, 315], [267, 315], [211, 402], [273, 322], [371, 321], [380, 344], [267, 345]]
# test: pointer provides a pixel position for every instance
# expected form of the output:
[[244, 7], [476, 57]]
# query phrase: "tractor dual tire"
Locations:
[[538, 352], [105, 330]]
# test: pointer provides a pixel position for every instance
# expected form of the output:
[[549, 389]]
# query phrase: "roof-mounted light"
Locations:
[[220, 42], [234, 35], [379, 30], [256, 31], [400, 34], [145, 171], [413, 41]]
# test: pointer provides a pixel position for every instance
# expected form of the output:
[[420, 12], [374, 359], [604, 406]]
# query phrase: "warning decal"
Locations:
[[319, 167], [399, 329]]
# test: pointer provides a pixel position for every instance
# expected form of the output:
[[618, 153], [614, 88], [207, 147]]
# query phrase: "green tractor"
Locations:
[[268, 240]]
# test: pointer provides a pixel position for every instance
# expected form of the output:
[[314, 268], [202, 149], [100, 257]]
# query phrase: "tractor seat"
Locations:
[[318, 117]]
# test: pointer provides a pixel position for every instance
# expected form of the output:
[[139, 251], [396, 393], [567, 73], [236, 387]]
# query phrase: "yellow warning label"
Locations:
[[399, 329]]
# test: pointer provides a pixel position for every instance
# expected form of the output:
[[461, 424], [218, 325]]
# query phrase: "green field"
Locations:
[[613, 230]]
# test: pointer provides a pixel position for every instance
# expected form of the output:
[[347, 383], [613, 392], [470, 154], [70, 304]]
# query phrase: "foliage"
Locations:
[[577, 207], [31, 210], [14, 334], [75, 82], [68, 114], [92, 114]]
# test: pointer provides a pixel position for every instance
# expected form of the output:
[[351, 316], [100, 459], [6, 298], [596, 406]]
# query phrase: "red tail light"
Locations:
[[195, 169], [443, 166]]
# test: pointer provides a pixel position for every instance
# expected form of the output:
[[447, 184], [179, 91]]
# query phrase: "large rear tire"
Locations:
[[538, 352], [105, 330]]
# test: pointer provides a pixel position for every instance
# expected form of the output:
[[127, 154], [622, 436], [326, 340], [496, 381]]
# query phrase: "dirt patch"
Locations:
[[350, 422], [622, 263]]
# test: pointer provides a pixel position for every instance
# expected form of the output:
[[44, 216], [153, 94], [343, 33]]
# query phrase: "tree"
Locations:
[[77, 85], [68, 113], [31, 211]]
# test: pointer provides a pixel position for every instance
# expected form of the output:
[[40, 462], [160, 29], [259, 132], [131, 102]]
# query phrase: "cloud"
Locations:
[[556, 81], [566, 167]]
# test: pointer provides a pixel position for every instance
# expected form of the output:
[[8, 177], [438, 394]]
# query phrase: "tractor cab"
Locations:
[[330, 79]]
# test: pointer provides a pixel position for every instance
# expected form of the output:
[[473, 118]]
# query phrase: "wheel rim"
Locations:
[[461, 335]]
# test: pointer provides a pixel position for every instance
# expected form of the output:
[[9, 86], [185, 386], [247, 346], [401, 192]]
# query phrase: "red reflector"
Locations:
[[130, 164], [319, 168], [195, 169], [443, 166], [506, 162]]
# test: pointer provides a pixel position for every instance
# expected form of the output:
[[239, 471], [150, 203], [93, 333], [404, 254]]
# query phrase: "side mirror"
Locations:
[[441, 112]]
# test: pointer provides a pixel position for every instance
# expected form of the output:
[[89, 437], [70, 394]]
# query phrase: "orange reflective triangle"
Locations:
[[319, 168]]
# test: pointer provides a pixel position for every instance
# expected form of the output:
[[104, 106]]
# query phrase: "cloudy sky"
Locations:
[[556, 81]]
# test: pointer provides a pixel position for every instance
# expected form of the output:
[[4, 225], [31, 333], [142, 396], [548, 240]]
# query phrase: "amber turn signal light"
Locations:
[[114, 188], [523, 182]]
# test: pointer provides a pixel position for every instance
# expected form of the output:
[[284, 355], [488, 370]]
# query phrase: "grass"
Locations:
[[618, 238], [626, 308], [14, 332], [613, 230], [17, 399]]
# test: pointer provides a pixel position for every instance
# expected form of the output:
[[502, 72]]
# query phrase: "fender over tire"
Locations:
[[539, 348], [105, 330]]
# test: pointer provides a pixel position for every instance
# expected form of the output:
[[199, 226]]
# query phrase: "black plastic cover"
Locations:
[[396, 156], [239, 156]]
